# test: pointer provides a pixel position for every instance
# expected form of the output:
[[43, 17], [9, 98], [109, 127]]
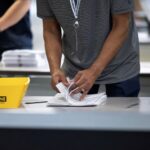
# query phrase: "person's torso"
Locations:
[[95, 24]]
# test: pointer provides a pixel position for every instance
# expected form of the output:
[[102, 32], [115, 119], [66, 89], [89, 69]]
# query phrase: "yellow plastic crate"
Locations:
[[12, 91]]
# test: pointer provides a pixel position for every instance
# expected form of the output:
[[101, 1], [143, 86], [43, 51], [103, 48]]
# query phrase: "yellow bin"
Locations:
[[12, 91]]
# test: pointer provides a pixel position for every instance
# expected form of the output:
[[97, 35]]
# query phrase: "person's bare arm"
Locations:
[[53, 46], [113, 43], [14, 14], [86, 78]]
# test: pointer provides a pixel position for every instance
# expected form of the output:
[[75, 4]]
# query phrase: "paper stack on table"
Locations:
[[25, 58], [67, 99]]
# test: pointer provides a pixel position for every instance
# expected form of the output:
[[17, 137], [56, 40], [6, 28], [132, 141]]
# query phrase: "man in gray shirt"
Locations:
[[100, 44]]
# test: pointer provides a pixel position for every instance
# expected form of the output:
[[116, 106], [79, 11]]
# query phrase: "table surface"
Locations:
[[24, 70], [127, 114]]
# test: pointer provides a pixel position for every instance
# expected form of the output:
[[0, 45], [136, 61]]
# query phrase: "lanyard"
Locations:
[[75, 7]]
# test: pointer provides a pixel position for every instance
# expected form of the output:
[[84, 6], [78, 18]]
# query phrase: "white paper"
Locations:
[[26, 58], [65, 98]]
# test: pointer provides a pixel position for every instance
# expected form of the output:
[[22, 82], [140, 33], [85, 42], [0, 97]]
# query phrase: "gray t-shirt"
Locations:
[[95, 20]]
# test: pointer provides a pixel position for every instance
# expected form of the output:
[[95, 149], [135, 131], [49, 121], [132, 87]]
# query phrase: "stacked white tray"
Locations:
[[25, 58]]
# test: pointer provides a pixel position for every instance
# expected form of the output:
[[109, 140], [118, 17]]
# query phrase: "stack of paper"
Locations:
[[26, 58], [67, 99]]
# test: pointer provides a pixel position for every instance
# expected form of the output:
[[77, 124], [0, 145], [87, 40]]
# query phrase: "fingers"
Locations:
[[80, 82], [80, 89], [84, 90], [75, 91], [83, 95], [58, 77], [80, 79], [55, 81], [54, 86], [64, 81], [72, 87], [78, 76]]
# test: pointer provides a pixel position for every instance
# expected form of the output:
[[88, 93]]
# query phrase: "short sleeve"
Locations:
[[121, 6], [44, 9]]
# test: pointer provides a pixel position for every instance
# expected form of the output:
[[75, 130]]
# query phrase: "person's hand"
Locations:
[[84, 80], [58, 76]]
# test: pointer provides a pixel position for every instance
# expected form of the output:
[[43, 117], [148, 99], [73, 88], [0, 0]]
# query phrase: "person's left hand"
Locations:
[[84, 80]]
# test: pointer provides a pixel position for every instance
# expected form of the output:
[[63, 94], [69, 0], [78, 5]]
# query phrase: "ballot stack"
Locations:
[[25, 58]]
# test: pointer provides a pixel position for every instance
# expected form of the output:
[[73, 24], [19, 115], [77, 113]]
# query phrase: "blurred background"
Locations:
[[36, 28]]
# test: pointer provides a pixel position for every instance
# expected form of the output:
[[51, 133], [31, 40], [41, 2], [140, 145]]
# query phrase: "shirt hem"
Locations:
[[44, 17], [117, 80]]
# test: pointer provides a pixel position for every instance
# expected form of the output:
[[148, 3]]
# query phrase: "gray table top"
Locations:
[[24, 70], [127, 114]]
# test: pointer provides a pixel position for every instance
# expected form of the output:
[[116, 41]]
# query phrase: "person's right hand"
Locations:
[[58, 76]]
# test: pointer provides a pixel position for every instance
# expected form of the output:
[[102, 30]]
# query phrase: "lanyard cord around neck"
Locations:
[[75, 7]]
